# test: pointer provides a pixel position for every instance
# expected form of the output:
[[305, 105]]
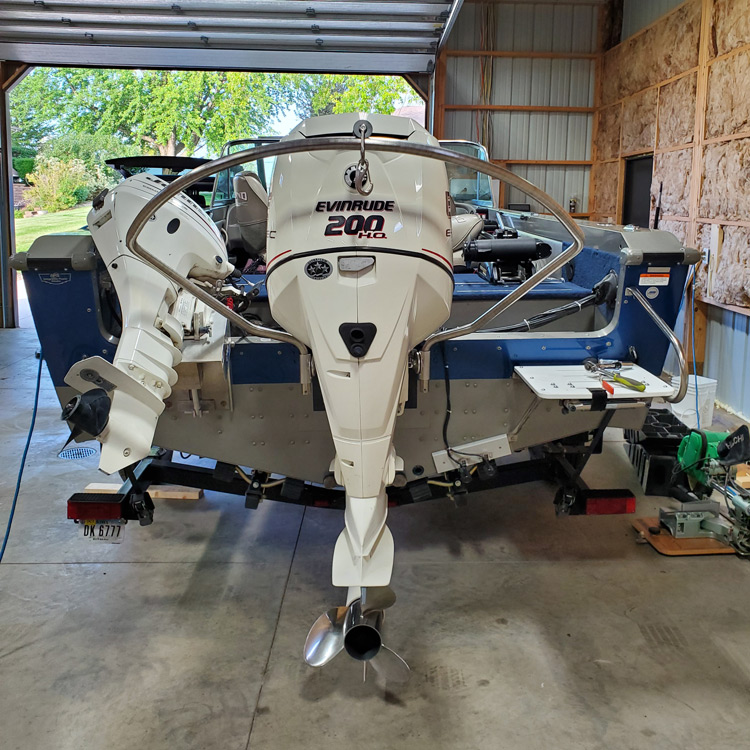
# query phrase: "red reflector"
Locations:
[[609, 504], [89, 506]]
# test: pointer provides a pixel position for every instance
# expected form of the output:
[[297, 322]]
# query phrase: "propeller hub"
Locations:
[[362, 642], [356, 629]]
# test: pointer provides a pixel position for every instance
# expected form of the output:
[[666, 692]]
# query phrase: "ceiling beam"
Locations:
[[420, 82], [217, 40], [11, 73], [310, 9], [79, 55], [32, 20], [450, 22]]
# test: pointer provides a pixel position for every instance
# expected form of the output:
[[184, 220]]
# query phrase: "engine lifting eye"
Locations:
[[349, 177]]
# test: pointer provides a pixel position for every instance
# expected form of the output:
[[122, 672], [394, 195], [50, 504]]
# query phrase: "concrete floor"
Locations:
[[522, 630]]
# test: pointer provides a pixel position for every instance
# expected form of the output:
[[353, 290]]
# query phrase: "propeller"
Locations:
[[87, 413], [326, 637], [377, 597], [356, 629], [390, 666]]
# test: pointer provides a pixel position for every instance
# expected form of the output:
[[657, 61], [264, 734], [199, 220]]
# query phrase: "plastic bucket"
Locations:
[[685, 410]]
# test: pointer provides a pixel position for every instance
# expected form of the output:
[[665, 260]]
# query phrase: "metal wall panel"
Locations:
[[530, 26], [728, 358], [637, 14], [524, 81], [562, 183], [536, 27]]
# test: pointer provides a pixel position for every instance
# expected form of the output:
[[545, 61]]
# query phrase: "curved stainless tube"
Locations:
[[670, 334], [344, 144], [514, 296]]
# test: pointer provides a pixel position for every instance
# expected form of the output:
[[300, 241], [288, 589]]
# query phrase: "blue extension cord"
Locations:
[[23, 458], [690, 282], [692, 336]]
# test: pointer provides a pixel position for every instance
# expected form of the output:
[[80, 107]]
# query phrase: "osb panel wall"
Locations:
[[660, 52], [607, 145], [728, 101], [639, 122], [677, 112]]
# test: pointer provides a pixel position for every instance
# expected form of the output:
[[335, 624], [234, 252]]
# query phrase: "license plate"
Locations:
[[103, 531]]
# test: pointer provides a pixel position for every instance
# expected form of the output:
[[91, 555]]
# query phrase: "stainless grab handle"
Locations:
[[521, 290], [348, 144], [670, 334]]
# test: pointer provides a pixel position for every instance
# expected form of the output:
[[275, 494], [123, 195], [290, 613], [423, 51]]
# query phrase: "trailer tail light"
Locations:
[[608, 502], [96, 506]]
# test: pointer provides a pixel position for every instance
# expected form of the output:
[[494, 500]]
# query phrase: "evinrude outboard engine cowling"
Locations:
[[361, 279]]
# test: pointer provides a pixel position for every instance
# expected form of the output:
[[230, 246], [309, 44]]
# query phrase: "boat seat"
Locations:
[[471, 287], [251, 211], [465, 226]]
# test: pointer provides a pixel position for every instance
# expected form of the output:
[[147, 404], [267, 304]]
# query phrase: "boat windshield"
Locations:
[[263, 168], [468, 185]]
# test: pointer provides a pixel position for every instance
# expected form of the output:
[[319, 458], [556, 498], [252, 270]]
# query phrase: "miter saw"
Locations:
[[707, 463]]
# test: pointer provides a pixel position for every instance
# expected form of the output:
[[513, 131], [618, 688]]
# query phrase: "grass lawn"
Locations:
[[27, 230]]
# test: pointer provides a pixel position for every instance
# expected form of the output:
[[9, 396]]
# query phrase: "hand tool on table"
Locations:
[[611, 372]]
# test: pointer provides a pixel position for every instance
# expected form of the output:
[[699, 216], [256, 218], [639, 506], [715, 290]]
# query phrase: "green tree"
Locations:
[[166, 112], [170, 112], [33, 112], [23, 165], [93, 149], [58, 184], [313, 95]]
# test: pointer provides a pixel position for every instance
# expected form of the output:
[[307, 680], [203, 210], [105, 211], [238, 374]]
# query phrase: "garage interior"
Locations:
[[521, 628]]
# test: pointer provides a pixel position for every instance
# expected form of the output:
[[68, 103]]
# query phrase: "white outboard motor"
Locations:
[[361, 276], [142, 374]]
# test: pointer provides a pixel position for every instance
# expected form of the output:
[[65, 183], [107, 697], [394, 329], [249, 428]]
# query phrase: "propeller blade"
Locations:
[[74, 433], [390, 666], [326, 637], [377, 597]]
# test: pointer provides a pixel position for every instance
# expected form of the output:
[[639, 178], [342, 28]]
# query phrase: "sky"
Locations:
[[284, 124]]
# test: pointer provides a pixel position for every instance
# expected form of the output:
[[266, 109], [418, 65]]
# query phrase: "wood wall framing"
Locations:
[[680, 88]]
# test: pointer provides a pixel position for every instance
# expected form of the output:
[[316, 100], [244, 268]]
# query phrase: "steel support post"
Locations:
[[10, 74]]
